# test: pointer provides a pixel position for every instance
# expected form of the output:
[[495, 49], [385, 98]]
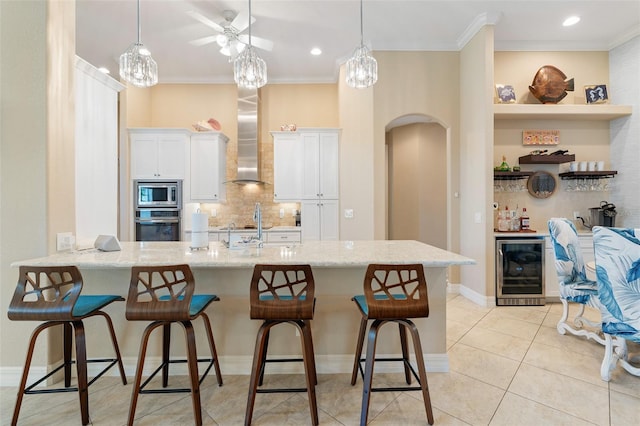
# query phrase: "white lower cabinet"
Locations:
[[320, 220], [551, 277], [280, 237]]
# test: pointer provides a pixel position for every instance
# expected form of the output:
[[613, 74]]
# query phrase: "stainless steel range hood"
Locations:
[[248, 152]]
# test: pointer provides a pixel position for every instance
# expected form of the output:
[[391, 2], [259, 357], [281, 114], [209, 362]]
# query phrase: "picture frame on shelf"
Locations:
[[540, 137], [596, 94], [506, 94]]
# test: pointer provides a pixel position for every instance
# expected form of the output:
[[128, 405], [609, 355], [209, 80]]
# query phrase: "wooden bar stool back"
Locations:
[[282, 294], [165, 295], [392, 293], [52, 294]]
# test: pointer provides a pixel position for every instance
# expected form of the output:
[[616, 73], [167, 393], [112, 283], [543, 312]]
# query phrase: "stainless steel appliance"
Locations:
[[605, 215], [158, 207], [520, 271], [158, 194]]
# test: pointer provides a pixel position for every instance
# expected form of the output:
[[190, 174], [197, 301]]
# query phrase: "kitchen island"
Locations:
[[338, 268]]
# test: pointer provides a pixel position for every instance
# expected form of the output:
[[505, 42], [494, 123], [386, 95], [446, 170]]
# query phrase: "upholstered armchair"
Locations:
[[617, 252], [575, 287]]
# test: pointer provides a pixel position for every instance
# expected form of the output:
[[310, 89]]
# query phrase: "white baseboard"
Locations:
[[241, 365], [477, 298]]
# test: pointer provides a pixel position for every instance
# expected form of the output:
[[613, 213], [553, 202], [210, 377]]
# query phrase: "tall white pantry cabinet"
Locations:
[[306, 171]]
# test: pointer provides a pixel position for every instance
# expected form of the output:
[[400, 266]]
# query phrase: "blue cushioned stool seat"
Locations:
[[91, 303], [198, 302]]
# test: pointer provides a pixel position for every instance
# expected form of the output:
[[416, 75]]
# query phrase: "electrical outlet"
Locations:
[[64, 241], [214, 212], [576, 214], [281, 213]]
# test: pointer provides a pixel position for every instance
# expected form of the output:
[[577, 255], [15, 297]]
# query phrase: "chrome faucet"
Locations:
[[230, 226], [257, 218]]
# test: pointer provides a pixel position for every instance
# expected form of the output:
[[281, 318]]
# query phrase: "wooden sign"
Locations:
[[540, 137]]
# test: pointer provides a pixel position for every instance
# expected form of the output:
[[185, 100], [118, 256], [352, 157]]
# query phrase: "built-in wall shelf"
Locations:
[[500, 175], [604, 112], [589, 175], [546, 159]]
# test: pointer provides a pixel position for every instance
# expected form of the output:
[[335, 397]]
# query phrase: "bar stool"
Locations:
[[165, 295], [392, 293], [282, 294], [52, 294]]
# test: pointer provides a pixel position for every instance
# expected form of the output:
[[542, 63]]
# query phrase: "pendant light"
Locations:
[[362, 68], [249, 70], [136, 64]]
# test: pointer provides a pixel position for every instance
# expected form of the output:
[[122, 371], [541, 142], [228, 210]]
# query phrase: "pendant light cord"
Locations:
[[249, 22], [361, 26], [139, 31]]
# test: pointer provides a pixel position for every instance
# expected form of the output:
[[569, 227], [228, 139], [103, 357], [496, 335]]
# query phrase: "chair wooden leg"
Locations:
[[212, 347], [405, 353], [258, 361], [309, 367], [67, 343], [81, 367], [264, 357], [359, 345], [166, 344], [136, 382], [116, 348], [312, 352], [192, 361], [368, 370], [417, 348], [25, 371]]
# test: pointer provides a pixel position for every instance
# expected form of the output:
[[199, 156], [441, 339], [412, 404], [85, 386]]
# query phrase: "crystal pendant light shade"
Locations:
[[249, 70], [137, 67], [362, 68]]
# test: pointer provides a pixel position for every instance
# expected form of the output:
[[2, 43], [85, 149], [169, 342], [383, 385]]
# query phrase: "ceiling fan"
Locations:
[[229, 36]]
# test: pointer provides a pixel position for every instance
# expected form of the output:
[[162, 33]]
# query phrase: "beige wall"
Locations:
[[37, 159], [417, 196], [476, 141]]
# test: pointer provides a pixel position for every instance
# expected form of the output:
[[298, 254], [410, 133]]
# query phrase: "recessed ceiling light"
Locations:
[[571, 20], [316, 51], [104, 70]]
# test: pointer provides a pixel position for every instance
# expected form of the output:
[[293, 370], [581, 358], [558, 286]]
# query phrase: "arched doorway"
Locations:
[[417, 178]]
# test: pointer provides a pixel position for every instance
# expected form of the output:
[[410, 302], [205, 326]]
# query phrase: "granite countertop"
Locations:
[[269, 229], [316, 253], [581, 233]]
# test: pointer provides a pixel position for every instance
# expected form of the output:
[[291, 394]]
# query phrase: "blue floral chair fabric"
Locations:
[[617, 252], [572, 279]]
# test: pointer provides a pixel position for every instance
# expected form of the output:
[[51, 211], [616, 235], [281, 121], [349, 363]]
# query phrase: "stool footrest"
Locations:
[[404, 361], [396, 389], [29, 389], [282, 390], [142, 390]]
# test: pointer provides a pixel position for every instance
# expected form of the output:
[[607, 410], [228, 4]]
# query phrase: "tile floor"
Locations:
[[509, 366]]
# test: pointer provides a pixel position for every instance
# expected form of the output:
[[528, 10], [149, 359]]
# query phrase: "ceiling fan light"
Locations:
[[222, 40], [249, 70], [138, 67], [362, 69]]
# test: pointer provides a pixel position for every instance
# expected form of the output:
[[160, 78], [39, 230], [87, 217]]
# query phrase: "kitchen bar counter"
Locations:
[[338, 268]]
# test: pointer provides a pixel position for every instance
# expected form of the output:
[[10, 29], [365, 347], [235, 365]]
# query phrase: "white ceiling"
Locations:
[[105, 28]]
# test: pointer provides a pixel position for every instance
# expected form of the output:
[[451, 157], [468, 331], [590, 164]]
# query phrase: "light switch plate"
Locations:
[[348, 213], [65, 241]]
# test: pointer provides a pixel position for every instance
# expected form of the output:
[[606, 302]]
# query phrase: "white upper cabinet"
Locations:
[[320, 165], [287, 167], [208, 167], [158, 153]]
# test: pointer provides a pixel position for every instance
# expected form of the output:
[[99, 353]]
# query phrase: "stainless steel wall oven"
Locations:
[[158, 206], [520, 271]]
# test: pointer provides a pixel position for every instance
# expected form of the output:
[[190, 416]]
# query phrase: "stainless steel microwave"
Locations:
[[158, 194]]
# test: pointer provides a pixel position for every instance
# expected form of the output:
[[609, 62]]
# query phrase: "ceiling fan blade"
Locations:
[[241, 21], [204, 40], [258, 42], [208, 22]]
